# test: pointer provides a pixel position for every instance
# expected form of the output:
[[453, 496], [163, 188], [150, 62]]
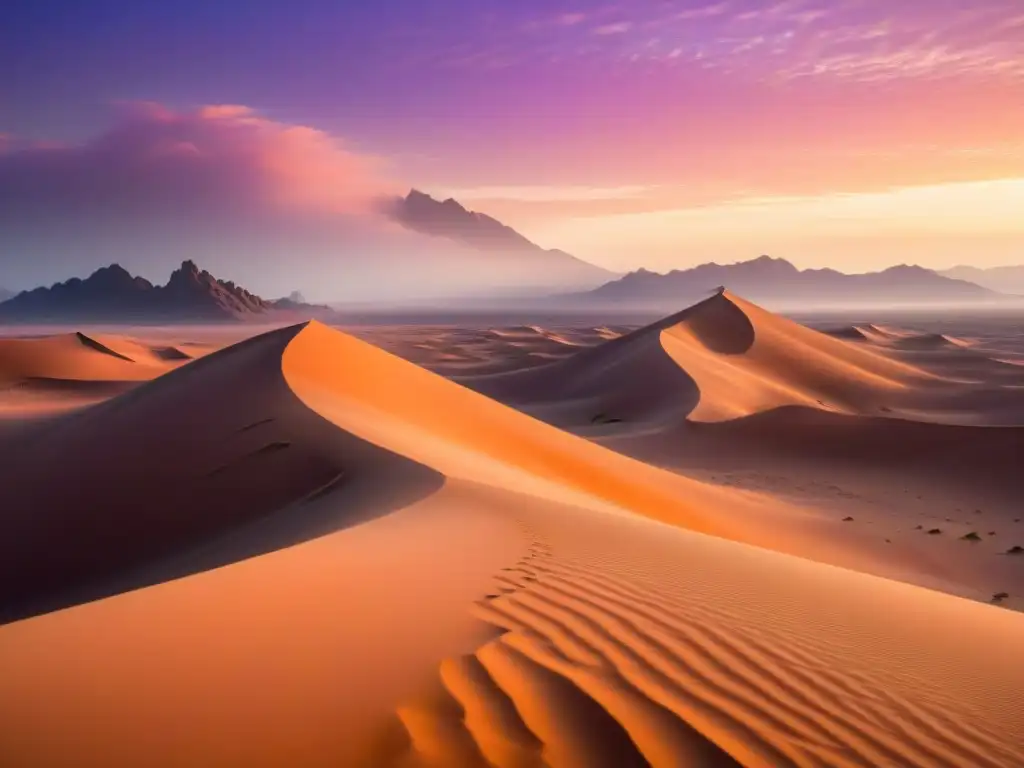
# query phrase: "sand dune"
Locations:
[[75, 357], [721, 359], [45, 375], [356, 562], [462, 351], [224, 435], [894, 441], [42, 376], [898, 339], [726, 358]]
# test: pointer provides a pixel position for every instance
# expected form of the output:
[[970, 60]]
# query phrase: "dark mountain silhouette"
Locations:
[[777, 280], [1008, 279], [5, 294], [508, 250], [112, 294]]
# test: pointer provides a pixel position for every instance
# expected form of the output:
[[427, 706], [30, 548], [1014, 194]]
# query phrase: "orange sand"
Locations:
[[302, 550]]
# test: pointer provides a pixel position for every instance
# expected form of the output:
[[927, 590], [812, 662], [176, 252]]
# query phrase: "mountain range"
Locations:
[[777, 281], [490, 261], [1003, 279], [508, 257], [112, 294]]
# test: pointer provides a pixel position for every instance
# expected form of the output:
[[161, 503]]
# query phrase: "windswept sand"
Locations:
[[303, 550], [50, 373]]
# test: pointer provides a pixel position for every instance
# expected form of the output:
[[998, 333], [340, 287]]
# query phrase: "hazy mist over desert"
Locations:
[[422, 384]]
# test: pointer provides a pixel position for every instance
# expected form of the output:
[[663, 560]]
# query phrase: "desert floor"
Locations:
[[720, 539]]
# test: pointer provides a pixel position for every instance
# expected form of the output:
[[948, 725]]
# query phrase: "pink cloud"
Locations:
[[275, 207], [240, 193], [154, 160]]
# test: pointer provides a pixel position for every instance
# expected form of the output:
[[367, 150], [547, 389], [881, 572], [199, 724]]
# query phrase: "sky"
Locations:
[[653, 133]]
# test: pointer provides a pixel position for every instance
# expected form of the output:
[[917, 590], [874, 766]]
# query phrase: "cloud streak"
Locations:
[[618, 28], [864, 41]]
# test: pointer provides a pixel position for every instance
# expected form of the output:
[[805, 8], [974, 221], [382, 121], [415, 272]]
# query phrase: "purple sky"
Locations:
[[559, 117]]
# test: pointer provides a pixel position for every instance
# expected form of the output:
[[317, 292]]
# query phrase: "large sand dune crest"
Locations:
[[481, 589], [721, 359], [197, 452]]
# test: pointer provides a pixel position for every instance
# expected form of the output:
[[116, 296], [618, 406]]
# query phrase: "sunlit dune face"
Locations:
[[377, 566]]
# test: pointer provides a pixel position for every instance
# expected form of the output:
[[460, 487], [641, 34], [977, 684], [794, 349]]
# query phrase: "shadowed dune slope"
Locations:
[[723, 358], [608, 629], [785, 364], [202, 449]]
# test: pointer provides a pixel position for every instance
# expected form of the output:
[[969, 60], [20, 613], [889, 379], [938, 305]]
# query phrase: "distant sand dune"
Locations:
[[46, 375], [723, 358], [896, 339], [319, 554], [72, 356]]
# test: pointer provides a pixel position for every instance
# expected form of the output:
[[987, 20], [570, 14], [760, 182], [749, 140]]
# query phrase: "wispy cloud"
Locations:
[[865, 41], [571, 19], [701, 12], [617, 28], [914, 62]]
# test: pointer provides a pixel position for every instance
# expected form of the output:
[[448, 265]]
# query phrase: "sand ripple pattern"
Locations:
[[598, 667]]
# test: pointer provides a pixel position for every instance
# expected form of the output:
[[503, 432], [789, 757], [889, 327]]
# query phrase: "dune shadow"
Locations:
[[847, 333], [219, 534], [336, 506], [173, 478], [171, 354], [974, 453], [721, 326], [628, 381], [96, 346]]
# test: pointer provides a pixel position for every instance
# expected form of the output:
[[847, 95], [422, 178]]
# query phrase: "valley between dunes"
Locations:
[[706, 542]]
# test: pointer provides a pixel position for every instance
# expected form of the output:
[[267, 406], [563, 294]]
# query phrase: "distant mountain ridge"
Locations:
[[775, 279], [421, 213], [112, 294], [1008, 279]]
